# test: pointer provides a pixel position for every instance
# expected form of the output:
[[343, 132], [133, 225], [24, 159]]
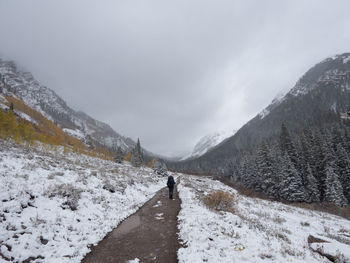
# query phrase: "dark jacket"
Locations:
[[171, 182]]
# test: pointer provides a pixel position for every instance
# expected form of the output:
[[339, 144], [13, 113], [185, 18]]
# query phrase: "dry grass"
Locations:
[[322, 207], [278, 219], [326, 207], [220, 201]]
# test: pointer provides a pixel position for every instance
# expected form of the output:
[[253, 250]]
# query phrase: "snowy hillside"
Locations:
[[333, 70], [208, 142], [256, 230], [17, 83], [53, 205]]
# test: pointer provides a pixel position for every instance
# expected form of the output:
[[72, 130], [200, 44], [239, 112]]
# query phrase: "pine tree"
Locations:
[[291, 186], [343, 170], [312, 186], [265, 169], [319, 160], [287, 147], [137, 156], [334, 189]]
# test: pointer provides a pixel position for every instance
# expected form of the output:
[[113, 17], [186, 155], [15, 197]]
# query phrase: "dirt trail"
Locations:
[[149, 235]]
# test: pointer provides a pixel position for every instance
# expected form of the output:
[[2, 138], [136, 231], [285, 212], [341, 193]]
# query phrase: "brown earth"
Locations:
[[149, 235]]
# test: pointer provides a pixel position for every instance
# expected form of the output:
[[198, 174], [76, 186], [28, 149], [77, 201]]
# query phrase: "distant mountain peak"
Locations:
[[207, 142], [331, 70]]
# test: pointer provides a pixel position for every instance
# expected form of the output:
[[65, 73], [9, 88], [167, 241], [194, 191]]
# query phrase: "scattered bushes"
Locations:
[[68, 191], [220, 200]]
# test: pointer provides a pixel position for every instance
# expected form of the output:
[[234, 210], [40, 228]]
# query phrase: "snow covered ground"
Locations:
[[53, 205], [257, 230]]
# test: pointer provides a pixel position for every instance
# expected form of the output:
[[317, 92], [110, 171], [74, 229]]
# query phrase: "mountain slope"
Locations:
[[316, 100], [20, 84]]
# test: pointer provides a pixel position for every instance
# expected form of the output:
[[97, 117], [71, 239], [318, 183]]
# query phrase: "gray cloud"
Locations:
[[170, 72]]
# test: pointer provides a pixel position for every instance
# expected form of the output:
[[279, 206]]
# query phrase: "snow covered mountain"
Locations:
[[331, 71], [208, 142], [22, 85], [317, 101]]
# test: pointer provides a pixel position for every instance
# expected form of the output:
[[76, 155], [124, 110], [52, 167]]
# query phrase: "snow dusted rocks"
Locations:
[[258, 230], [53, 206]]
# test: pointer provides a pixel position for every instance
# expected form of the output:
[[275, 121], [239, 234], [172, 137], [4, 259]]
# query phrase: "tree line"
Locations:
[[311, 166]]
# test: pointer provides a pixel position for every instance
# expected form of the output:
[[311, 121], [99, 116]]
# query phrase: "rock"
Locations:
[[43, 240], [312, 239], [109, 187]]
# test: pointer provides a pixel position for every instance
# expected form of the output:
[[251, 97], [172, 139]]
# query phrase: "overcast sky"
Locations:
[[171, 72]]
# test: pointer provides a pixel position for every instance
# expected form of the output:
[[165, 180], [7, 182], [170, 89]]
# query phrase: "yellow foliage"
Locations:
[[128, 157], [44, 131], [151, 163]]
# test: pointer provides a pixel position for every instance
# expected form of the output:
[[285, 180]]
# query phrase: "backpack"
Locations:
[[170, 182]]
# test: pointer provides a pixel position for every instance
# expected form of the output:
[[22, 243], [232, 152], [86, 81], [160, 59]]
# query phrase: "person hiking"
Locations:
[[171, 183]]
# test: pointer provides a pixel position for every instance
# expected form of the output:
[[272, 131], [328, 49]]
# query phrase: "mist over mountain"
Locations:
[[316, 100], [24, 86]]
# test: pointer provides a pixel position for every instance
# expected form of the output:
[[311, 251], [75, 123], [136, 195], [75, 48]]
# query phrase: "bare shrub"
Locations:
[[68, 191], [265, 255], [286, 231], [220, 200], [340, 258], [283, 237], [305, 223], [340, 239], [262, 214], [253, 223], [278, 219]]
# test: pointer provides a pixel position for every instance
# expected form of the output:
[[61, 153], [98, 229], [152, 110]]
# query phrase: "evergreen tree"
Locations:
[[291, 187], [336, 137], [265, 169], [287, 146], [334, 189], [312, 186], [343, 170], [137, 156], [319, 161]]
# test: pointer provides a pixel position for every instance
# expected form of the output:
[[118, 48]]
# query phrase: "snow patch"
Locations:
[[264, 113], [136, 260], [75, 133], [346, 59], [257, 231], [25, 116], [159, 216], [71, 208]]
